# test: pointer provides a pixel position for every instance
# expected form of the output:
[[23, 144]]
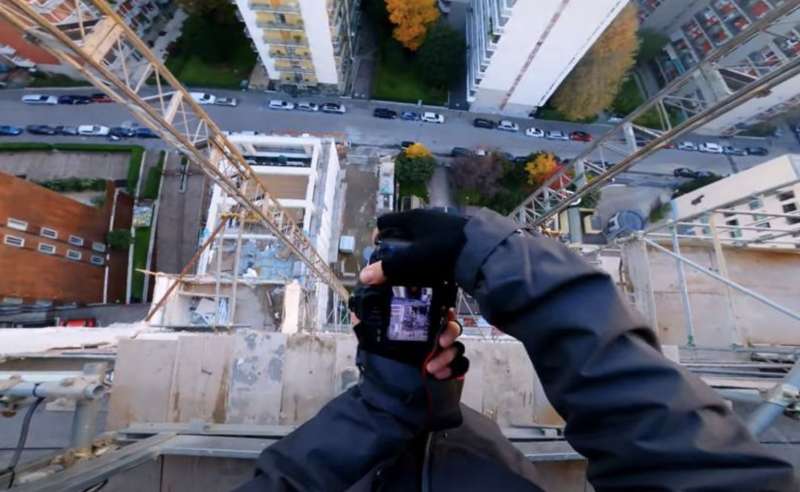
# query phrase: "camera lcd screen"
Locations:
[[410, 311]]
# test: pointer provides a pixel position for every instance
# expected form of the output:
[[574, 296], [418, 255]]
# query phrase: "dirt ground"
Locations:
[[359, 213], [42, 166]]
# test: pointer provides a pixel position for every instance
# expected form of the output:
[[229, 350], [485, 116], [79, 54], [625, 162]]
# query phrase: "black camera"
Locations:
[[404, 318]]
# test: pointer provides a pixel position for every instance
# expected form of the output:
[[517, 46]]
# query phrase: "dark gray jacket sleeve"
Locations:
[[643, 422], [358, 430]]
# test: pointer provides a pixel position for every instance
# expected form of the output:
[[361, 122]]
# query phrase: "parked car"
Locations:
[[756, 151], [580, 136], [93, 130], [521, 159], [72, 99], [506, 156], [39, 99], [409, 116], [461, 152], [333, 108], [684, 172], [406, 144], [534, 132], [615, 119], [10, 131], [431, 117], [101, 98], [279, 104], [70, 131], [711, 148], [144, 132], [203, 97], [507, 126], [483, 123], [688, 146], [556, 135], [384, 113], [227, 101], [122, 132], [307, 106], [78, 323], [41, 130], [730, 150]]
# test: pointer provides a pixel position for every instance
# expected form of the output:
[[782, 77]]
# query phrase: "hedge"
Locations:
[[134, 165], [153, 180]]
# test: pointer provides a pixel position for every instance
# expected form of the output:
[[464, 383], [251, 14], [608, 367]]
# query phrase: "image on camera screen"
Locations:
[[409, 314]]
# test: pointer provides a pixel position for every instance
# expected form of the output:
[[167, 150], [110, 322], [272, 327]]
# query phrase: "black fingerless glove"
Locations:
[[437, 239]]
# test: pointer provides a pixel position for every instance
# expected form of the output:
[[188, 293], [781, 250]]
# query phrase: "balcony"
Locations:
[[267, 6], [289, 55], [298, 40], [280, 26]]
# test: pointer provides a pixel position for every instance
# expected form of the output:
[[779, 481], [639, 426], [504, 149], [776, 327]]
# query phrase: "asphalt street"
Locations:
[[361, 128]]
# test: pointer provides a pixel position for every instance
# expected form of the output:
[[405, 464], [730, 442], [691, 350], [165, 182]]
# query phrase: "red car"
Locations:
[[79, 323], [101, 98], [580, 137]]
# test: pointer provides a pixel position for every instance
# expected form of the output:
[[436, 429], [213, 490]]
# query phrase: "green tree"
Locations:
[[596, 79], [440, 60], [119, 239], [650, 45], [220, 10], [413, 173]]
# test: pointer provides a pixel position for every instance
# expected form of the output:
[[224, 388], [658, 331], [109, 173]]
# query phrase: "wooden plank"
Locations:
[[256, 381], [200, 379], [308, 381], [142, 381]]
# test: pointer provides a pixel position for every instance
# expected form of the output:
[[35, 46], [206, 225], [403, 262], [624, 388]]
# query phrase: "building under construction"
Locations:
[[251, 338]]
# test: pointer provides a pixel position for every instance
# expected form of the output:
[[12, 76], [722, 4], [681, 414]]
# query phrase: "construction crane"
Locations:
[[112, 57], [582, 175]]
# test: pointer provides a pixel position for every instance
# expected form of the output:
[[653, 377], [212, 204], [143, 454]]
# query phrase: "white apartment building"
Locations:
[[303, 43], [759, 207], [519, 51]]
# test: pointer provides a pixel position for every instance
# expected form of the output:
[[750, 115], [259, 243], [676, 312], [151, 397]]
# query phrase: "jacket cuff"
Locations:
[[492, 229], [392, 386]]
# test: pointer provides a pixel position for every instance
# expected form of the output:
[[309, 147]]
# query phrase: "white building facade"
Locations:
[[303, 43], [519, 51]]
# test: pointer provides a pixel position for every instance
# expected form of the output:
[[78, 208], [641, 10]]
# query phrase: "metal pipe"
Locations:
[[724, 280], [685, 302], [780, 397], [84, 421], [72, 388]]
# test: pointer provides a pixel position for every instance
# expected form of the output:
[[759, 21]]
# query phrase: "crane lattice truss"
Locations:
[[592, 168], [111, 56]]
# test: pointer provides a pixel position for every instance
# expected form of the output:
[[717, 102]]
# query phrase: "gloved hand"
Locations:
[[437, 239]]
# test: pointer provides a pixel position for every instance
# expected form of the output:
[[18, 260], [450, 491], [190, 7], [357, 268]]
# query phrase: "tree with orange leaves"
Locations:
[[411, 19]]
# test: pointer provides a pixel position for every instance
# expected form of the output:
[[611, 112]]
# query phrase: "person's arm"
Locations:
[[363, 427], [643, 422]]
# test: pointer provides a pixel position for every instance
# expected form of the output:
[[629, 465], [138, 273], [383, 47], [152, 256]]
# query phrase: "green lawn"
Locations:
[[548, 113], [140, 244], [212, 54], [397, 80], [55, 80], [153, 180]]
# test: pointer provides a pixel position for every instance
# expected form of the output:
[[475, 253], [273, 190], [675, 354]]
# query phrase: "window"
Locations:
[[75, 240], [98, 260], [786, 195], [759, 223], [17, 224], [99, 247], [48, 233], [74, 255], [789, 207], [734, 233], [47, 248], [755, 203], [15, 241]]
